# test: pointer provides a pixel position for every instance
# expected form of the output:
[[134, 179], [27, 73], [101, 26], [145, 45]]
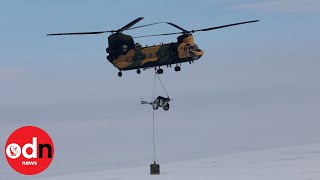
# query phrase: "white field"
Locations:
[[292, 163]]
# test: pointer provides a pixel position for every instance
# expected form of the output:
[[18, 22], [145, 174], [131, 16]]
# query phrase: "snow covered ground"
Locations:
[[291, 163]]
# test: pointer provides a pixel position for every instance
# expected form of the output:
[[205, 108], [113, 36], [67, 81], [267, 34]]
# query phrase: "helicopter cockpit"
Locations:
[[191, 47], [192, 51]]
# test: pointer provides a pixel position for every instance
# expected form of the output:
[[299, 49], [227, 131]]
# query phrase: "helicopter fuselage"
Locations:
[[124, 54], [185, 50]]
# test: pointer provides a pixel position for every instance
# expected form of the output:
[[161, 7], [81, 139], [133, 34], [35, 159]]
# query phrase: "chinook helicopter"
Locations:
[[124, 54]]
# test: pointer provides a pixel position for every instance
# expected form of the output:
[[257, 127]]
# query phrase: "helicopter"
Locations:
[[125, 54]]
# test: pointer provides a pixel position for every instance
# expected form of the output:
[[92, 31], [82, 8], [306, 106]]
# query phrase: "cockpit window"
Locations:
[[189, 48]]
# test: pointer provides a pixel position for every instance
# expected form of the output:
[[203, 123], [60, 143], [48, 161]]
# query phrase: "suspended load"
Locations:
[[160, 101], [154, 169]]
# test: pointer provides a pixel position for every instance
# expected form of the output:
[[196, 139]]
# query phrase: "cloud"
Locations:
[[13, 74], [291, 6]]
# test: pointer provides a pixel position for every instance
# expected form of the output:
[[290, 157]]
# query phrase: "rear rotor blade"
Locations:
[[131, 24], [126, 27], [78, 33], [219, 27], [165, 34], [144, 25]]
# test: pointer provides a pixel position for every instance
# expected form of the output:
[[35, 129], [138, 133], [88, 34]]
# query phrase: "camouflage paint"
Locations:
[[159, 55]]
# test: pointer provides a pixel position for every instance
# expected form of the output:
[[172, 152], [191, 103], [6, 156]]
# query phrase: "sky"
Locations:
[[256, 87]]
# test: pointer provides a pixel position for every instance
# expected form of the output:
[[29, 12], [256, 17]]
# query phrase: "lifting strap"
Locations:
[[162, 84], [153, 136], [154, 94], [154, 91]]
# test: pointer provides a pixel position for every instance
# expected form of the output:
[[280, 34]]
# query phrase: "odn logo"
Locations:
[[29, 150]]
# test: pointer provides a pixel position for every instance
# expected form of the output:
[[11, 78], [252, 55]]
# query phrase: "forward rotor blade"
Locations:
[[165, 34], [206, 29], [144, 25], [176, 26], [228, 25], [126, 27], [78, 33]]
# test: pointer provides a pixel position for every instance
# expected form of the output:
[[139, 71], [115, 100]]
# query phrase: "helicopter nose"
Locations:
[[196, 54]]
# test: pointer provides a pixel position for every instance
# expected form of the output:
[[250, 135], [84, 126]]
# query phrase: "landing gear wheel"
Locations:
[[120, 74], [160, 71], [138, 71], [155, 105], [166, 107], [177, 68]]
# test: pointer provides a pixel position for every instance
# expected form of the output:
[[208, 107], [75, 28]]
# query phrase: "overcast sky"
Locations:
[[256, 87]]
